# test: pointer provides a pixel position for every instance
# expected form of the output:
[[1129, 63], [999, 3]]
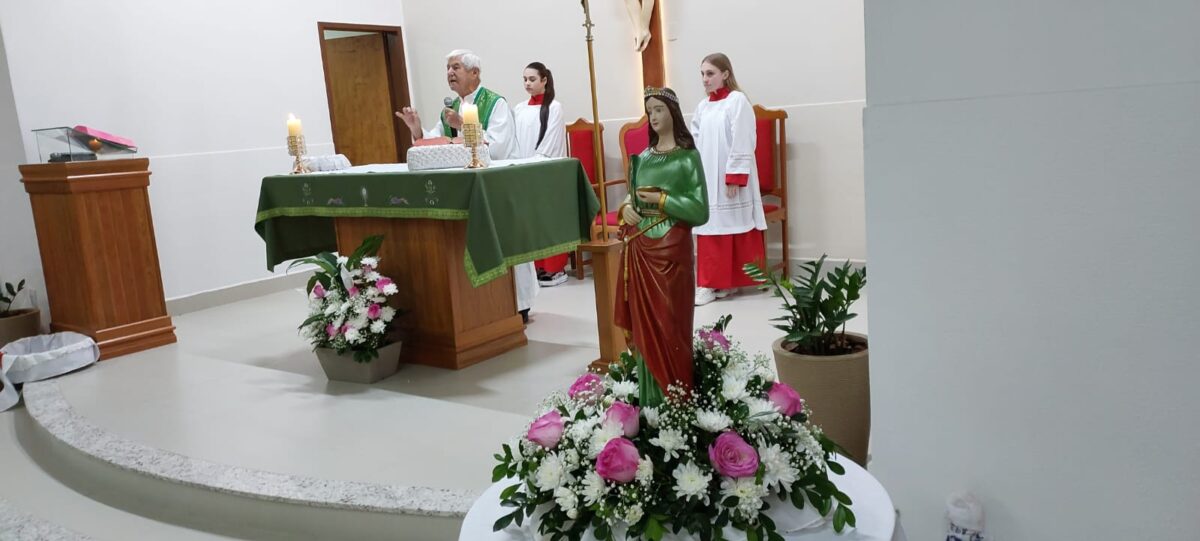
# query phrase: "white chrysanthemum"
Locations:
[[691, 482], [353, 336], [645, 471], [671, 441], [734, 388], [762, 411], [594, 488], [748, 493], [566, 499], [712, 421], [551, 474], [331, 309], [387, 314], [370, 262], [582, 430], [634, 514], [372, 276], [603, 434], [651, 415], [624, 389], [778, 465], [378, 327], [360, 321], [390, 289], [572, 457], [355, 273], [342, 260], [738, 369], [345, 307]]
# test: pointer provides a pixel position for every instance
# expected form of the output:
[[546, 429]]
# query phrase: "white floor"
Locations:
[[241, 388]]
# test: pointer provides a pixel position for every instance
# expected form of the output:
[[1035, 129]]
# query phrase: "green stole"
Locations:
[[486, 101]]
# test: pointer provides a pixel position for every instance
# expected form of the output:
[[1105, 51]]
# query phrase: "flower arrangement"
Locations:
[[703, 461], [346, 302]]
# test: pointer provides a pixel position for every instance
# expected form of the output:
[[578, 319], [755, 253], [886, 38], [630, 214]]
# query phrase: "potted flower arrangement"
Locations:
[[737, 452], [16, 324], [826, 364], [349, 322]]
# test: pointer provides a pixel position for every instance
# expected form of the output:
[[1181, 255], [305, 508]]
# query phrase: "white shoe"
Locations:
[[705, 295], [551, 281], [722, 293]]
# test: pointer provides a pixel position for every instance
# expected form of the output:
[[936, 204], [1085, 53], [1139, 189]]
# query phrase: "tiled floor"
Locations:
[[242, 388]]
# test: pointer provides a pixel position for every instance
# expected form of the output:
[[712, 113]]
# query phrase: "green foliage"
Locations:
[[8, 296], [816, 305]]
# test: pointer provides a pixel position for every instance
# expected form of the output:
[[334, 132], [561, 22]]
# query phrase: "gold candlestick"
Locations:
[[472, 136], [297, 148]]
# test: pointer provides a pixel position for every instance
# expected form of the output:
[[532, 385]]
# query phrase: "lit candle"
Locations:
[[470, 113], [293, 125]]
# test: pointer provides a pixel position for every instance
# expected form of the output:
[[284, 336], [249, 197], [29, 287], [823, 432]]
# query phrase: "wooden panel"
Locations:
[[445, 321], [654, 70], [358, 76], [99, 257], [606, 263]]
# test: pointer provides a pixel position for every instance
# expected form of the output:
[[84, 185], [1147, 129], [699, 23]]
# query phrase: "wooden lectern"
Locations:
[[99, 257]]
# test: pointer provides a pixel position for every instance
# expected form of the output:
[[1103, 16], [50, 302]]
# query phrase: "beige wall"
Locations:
[[804, 57]]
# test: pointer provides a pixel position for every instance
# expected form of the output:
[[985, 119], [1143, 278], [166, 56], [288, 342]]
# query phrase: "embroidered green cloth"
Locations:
[[515, 213]]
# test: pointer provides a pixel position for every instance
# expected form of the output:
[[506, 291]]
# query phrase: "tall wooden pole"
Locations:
[[596, 139]]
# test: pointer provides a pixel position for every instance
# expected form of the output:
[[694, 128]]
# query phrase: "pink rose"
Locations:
[[589, 384], [618, 461], [383, 282], [331, 330], [374, 311], [546, 430], [785, 398], [624, 415], [318, 291], [353, 291], [345, 328], [731, 456]]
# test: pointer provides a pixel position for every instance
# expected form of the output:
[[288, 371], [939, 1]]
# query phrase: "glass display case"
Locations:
[[64, 144]]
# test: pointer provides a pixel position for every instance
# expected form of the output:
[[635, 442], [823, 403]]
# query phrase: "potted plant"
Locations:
[[16, 324], [349, 323], [825, 364]]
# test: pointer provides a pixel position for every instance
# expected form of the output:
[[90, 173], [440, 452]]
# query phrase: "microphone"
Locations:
[[449, 103]]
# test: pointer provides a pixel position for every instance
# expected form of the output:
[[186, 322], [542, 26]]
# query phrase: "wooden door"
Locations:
[[360, 98]]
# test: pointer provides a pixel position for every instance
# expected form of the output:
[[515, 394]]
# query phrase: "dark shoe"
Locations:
[[525, 316]]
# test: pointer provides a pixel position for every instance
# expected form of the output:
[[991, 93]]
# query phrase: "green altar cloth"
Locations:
[[515, 213]]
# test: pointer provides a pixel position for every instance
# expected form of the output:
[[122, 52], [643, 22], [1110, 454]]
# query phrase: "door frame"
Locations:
[[397, 78]]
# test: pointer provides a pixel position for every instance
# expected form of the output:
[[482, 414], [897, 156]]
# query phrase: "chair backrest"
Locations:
[[581, 145], [635, 137], [771, 152]]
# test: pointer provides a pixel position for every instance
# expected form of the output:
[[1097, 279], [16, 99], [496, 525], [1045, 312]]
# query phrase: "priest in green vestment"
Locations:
[[463, 75]]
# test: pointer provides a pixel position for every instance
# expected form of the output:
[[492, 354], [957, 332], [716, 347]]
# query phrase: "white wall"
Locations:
[[1032, 177], [202, 87], [19, 258], [805, 57]]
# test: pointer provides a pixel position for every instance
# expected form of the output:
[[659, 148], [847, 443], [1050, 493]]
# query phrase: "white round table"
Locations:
[[876, 517]]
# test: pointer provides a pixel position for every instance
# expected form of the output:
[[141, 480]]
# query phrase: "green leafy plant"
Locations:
[[817, 305], [8, 296]]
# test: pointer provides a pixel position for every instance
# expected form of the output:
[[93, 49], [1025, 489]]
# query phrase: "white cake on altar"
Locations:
[[425, 157]]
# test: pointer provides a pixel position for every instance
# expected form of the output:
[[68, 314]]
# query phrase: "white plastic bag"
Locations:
[[42, 357]]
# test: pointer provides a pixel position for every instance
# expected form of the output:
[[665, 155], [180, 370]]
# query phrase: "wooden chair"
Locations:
[[581, 146], [771, 157]]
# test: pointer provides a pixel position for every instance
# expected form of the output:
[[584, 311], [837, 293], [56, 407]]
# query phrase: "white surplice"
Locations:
[[499, 133], [529, 122], [726, 136]]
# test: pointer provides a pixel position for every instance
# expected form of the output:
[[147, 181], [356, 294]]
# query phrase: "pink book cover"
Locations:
[[106, 137]]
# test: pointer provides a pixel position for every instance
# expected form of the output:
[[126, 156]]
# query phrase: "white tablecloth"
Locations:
[[876, 517]]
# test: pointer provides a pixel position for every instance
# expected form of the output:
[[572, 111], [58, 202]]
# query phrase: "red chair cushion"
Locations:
[[769, 208], [764, 154], [612, 218], [583, 149], [637, 140]]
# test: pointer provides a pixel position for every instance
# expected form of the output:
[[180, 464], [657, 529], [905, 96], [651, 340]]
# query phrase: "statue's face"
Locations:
[[713, 78], [659, 116]]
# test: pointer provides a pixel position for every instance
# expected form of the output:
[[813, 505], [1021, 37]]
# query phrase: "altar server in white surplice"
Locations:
[[541, 131], [463, 75], [724, 129]]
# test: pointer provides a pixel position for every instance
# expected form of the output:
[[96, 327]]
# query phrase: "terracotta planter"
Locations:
[[837, 388], [20, 324], [345, 368]]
